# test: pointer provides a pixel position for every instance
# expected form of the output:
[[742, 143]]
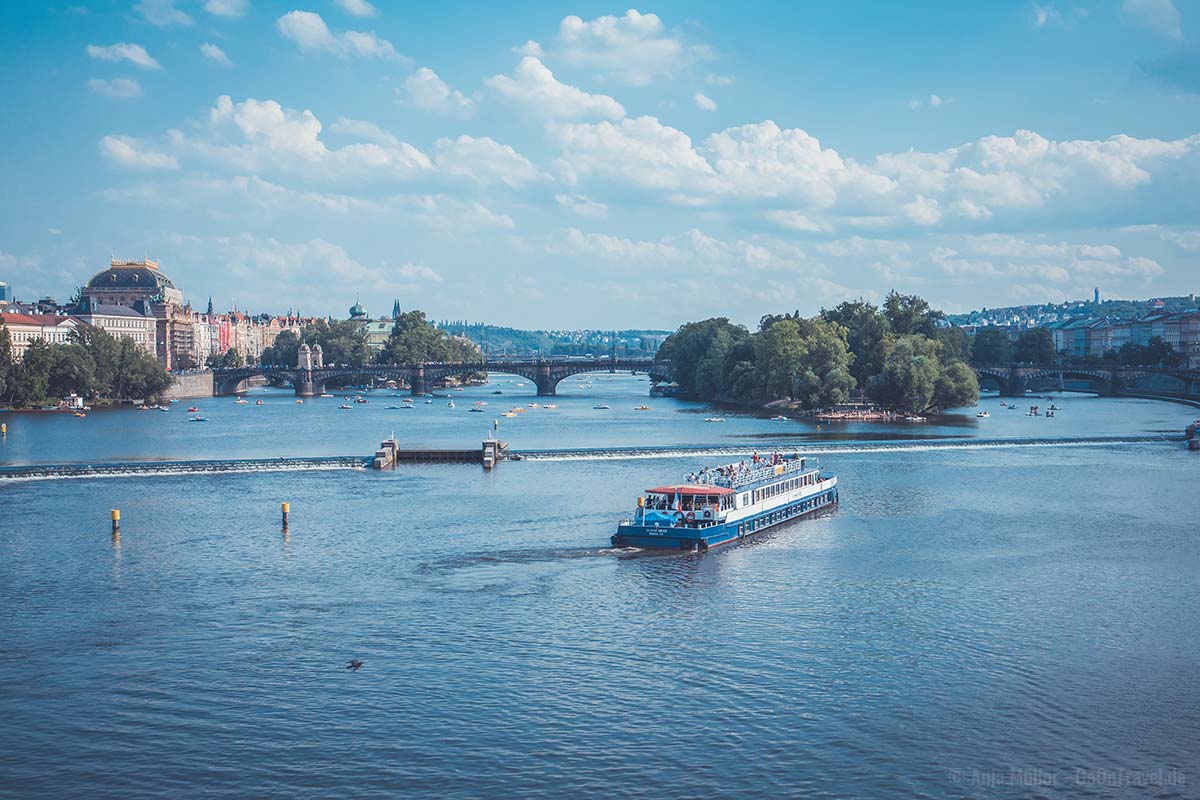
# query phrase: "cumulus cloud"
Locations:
[[123, 51], [1160, 17], [485, 161], [425, 90], [635, 48], [309, 31], [794, 220], [704, 102], [123, 88], [214, 53], [126, 151], [357, 8], [534, 86], [581, 205], [361, 129], [227, 8], [530, 48], [161, 13], [934, 101]]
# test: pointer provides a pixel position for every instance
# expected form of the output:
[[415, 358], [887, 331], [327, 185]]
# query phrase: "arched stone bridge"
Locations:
[[545, 374], [1015, 379]]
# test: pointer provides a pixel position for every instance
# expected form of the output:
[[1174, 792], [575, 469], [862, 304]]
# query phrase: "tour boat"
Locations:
[[728, 503]]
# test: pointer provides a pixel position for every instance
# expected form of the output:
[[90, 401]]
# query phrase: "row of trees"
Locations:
[[898, 354], [412, 340], [92, 364]]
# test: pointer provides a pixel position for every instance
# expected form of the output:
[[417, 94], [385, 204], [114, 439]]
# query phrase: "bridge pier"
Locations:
[[417, 381], [546, 385], [304, 384]]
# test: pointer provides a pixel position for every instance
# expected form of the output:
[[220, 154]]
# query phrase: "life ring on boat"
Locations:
[[690, 516]]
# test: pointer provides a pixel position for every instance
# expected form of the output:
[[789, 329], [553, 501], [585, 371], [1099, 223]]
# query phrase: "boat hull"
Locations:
[[684, 538]]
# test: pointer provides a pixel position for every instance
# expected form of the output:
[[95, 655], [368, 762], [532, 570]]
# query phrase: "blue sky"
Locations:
[[591, 165]]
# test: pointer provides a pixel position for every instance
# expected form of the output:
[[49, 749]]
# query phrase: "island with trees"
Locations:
[[901, 355]]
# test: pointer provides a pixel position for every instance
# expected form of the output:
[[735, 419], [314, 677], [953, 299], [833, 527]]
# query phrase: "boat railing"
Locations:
[[757, 474]]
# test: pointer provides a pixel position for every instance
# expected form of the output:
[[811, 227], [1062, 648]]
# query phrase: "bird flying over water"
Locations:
[[353, 665]]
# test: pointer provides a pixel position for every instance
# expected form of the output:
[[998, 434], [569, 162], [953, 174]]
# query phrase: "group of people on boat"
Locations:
[[730, 473]]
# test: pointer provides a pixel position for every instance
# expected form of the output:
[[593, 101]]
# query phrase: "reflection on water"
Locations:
[[1021, 598]]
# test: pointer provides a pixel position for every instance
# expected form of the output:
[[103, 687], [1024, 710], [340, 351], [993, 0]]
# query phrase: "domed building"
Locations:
[[140, 285], [357, 312], [125, 283]]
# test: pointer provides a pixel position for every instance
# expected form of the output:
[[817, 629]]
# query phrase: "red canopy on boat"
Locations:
[[690, 489]]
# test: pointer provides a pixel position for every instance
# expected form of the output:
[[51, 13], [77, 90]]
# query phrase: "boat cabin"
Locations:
[[685, 504]]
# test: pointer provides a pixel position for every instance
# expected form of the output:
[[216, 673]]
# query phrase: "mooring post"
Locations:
[[116, 522], [286, 507]]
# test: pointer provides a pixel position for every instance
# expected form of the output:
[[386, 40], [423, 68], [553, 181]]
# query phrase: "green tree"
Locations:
[[72, 371], [910, 314], [7, 366], [690, 345], [101, 347], [956, 345], [32, 386], [1035, 346], [991, 346], [807, 360], [868, 329], [910, 374], [283, 352], [342, 341], [957, 386]]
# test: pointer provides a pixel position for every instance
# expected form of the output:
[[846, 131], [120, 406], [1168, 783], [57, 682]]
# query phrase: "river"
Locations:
[[1000, 607]]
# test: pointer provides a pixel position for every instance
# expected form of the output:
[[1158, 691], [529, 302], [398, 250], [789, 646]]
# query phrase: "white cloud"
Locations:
[[311, 34], [534, 86], [427, 91], [358, 8], [362, 129], [117, 87], [125, 151], [530, 48], [485, 161], [934, 101], [794, 220], [214, 53], [1160, 17], [641, 152], [713, 79], [161, 13], [258, 135], [227, 8], [634, 48], [581, 205], [704, 102], [123, 51]]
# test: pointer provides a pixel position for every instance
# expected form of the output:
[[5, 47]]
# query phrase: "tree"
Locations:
[[956, 345], [910, 374], [1035, 346], [868, 329], [689, 345], [342, 341], [7, 366], [910, 314], [231, 359], [283, 352], [991, 346], [957, 386]]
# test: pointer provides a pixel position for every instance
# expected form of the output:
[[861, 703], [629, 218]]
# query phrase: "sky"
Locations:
[[583, 164]]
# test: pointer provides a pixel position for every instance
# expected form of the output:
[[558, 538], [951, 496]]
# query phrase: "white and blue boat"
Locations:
[[727, 503]]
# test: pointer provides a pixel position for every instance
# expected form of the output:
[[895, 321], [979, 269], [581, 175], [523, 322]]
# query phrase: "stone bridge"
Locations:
[[1014, 379], [311, 378]]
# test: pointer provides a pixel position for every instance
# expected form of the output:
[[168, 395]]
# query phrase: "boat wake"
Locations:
[[809, 448], [45, 472]]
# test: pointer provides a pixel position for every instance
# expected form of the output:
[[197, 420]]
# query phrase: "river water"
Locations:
[[1000, 607]]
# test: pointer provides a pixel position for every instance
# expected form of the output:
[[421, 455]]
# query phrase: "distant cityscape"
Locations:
[[1098, 328], [137, 299]]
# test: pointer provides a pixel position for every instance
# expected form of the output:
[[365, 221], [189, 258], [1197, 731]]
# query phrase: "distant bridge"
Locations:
[[545, 374], [1013, 380]]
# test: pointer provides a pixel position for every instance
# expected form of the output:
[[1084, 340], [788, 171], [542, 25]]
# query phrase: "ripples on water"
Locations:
[[972, 608]]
